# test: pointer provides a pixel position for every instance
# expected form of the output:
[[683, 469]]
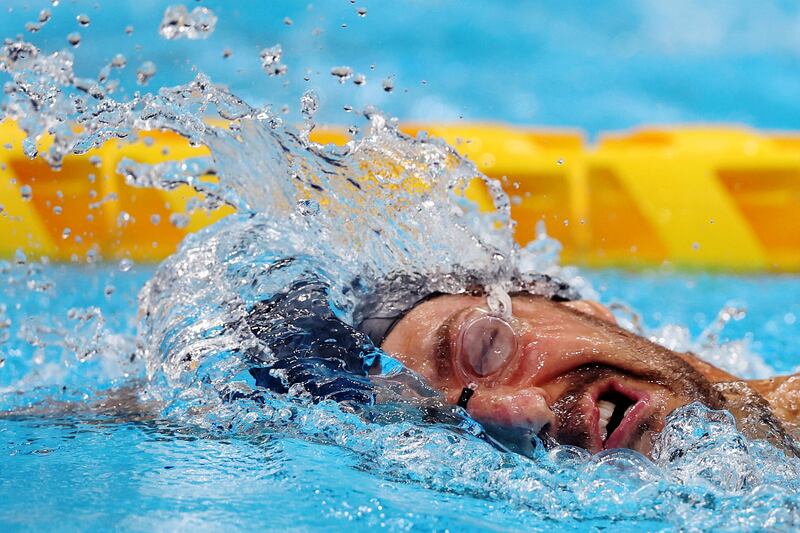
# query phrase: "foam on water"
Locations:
[[351, 216]]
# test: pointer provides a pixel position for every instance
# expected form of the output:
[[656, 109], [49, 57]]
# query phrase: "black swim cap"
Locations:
[[379, 310]]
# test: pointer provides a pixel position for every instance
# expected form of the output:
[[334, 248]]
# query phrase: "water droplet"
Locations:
[[362, 12], [26, 192], [226, 53], [74, 39], [125, 265], [348, 108], [29, 147], [178, 23], [179, 220], [342, 73], [309, 104], [109, 290], [695, 245], [560, 162], [123, 219], [44, 15], [57, 209], [145, 72], [119, 61], [388, 84], [287, 21], [129, 30], [271, 61], [32, 27], [155, 219], [359, 79], [66, 233], [83, 19]]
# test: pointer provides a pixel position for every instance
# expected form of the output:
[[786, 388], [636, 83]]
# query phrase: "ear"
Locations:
[[592, 308]]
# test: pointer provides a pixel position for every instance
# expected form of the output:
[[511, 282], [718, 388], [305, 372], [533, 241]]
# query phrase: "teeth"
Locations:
[[606, 409], [628, 410]]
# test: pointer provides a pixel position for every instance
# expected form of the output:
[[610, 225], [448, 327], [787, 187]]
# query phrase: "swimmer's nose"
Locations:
[[518, 409]]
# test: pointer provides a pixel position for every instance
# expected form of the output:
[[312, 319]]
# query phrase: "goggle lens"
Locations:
[[486, 345]]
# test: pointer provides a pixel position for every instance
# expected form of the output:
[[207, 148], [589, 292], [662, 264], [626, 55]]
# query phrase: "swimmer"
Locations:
[[551, 365]]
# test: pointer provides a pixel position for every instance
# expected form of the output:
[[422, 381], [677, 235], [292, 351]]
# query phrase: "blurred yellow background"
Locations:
[[697, 197]]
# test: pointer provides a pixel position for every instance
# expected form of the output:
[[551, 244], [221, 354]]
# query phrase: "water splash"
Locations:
[[384, 202]]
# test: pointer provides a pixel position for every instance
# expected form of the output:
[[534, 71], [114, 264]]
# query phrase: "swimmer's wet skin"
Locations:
[[551, 367], [564, 371]]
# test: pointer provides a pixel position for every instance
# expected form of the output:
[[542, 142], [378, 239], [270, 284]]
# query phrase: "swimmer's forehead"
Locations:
[[521, 303]]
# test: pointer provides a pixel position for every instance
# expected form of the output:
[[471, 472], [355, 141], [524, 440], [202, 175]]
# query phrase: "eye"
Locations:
[[486, 345]]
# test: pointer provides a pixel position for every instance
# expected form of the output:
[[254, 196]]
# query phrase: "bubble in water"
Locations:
[[129, 30], [179, 23], [74, 39], [271, 61], [83, 19], [359, 79], [125, 265], [155, 219], [66, 233], [226, 53], [32, 27], [388, 84], [342, 73], [362, 12], [44, 15], [26, 192], [109, 290], [179, 220], [145, 72]]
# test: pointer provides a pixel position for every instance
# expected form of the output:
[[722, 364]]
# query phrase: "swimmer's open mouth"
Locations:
[[618, 412]]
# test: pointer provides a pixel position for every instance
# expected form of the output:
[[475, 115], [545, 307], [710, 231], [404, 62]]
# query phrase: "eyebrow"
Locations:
[[443, 354]]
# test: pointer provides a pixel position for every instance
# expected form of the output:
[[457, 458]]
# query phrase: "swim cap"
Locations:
[[385, 303]]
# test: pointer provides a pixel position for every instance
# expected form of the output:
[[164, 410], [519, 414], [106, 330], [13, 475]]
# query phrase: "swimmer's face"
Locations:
[[564, 371]]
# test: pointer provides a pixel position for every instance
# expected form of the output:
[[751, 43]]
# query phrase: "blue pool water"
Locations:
[[65, 470], [593, 65]]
